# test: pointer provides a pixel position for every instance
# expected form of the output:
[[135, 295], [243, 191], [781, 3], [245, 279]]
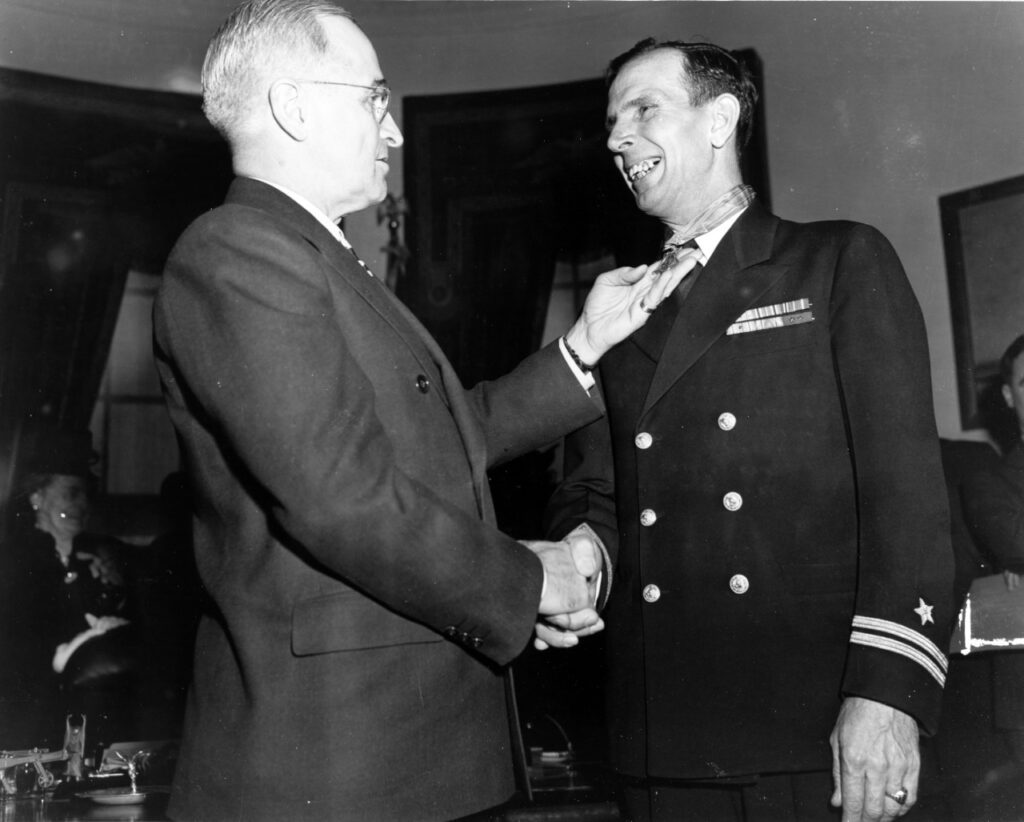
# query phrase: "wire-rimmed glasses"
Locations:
[[380, 95]]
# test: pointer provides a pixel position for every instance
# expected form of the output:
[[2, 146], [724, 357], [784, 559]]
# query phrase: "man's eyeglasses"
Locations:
[[380, 96]]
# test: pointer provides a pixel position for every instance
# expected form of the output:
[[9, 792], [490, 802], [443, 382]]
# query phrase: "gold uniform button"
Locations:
[[732, 501], [648, 517], [726, 421], [643, 441], [652, 593], [739, 584], [423, 384]]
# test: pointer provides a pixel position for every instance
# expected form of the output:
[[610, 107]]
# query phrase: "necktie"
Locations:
[[359, 259]]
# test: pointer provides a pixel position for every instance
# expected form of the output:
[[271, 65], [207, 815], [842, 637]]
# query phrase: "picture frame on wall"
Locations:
[[984, 247]]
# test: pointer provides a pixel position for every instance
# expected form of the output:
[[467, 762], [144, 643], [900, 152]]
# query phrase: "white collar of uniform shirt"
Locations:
[[707, 243]]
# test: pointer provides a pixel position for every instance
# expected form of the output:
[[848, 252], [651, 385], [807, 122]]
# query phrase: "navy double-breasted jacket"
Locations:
[[768, 482]]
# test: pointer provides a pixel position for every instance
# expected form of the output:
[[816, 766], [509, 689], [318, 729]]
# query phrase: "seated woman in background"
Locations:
[[68, 621]]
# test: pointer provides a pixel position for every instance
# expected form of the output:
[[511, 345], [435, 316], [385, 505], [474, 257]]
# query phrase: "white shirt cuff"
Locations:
[[585, 379]]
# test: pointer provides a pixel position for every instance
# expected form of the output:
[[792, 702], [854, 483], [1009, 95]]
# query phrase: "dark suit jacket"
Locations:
[[777, 507], [364, 599], [994, 502]]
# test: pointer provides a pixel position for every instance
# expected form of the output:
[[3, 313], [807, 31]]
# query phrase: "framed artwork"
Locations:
[[984, 245]]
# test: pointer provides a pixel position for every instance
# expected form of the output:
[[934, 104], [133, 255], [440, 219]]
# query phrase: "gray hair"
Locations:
[[260, 41]]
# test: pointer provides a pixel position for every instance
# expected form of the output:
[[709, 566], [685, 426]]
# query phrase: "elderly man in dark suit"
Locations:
[[363, 601], [768, 483]]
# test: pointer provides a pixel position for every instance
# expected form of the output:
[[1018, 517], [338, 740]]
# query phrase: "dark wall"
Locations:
[[94, 181]]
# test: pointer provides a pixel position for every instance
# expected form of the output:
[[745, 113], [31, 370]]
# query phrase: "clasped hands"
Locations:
[[572, 581]]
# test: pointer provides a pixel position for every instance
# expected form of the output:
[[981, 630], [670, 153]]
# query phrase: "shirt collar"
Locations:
[[321, 217], [707, 243]]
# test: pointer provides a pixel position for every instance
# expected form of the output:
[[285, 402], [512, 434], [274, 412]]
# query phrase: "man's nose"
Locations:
[[620, 138], [390, 131]]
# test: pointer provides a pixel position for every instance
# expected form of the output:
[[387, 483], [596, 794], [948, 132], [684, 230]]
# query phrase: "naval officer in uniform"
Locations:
[[767, 483]]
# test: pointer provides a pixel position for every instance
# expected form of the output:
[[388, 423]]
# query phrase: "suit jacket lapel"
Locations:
[[735, 277], [256, 194]]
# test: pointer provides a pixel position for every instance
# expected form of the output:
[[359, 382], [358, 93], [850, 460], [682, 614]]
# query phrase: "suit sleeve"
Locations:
[[248, 323], [511, 410], [904, 604], [995, 516]]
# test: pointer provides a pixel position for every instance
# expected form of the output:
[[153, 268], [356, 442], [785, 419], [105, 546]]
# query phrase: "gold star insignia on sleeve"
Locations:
[[924, 610]]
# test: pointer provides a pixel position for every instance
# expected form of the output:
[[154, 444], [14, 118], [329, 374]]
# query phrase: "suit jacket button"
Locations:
[[739, 584], [648, 517], [423, 384], [643, 441], [732, 501], [726, 421], [652, 593]]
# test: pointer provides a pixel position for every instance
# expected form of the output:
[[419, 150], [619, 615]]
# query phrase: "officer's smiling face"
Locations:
[[661, 143]]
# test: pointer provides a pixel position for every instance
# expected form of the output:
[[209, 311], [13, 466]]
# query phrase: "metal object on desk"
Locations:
[[10, 761]]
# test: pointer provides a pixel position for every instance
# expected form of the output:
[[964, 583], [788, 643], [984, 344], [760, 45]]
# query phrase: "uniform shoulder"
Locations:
[[829, 228]]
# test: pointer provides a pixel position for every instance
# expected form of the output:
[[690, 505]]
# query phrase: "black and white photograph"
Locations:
[[511, 410]]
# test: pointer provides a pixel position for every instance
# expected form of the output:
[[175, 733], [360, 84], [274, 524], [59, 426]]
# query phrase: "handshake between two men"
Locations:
[[572, 584]]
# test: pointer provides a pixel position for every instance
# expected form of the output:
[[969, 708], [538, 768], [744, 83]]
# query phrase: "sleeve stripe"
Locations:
[[885, 644], [905, 634]]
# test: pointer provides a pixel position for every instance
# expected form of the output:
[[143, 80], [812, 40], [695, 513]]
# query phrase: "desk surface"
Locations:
[[79, 809]]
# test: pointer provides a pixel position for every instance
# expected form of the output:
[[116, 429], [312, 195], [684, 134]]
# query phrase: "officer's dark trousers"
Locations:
[[802, 797]]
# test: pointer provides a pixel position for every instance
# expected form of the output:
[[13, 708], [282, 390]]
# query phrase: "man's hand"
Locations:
[[571, 570], [1012, 580], [620, 302], [874, 755], [563, 630], [97, 627]]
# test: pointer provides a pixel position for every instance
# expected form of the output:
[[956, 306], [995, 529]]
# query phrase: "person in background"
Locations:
[[363, 603], [768, 484], [994, 502], [67, 625]]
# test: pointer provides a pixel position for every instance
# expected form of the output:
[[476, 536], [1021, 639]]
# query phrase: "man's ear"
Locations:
[[1007, 395], [288, 109], [725, 116]]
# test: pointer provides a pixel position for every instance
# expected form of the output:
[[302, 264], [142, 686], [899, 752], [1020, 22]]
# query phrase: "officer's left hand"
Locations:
[[874, 755]]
